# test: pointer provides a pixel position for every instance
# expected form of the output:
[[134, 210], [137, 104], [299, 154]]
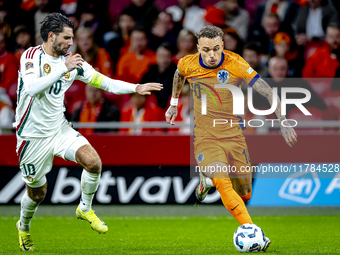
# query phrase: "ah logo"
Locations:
[[223, 76], [301, 187]]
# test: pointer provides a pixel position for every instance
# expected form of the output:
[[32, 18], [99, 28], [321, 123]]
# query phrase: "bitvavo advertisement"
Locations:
[[118, 185]]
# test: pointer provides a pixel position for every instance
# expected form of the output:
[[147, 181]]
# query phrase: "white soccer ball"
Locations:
[[249, 238]]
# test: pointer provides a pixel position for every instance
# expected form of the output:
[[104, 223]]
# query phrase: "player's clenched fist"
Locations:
[[144, 89], [171, 115], [74, 61]]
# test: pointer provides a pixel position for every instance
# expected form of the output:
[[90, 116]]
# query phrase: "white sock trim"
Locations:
[[28, 209], [89, 185]]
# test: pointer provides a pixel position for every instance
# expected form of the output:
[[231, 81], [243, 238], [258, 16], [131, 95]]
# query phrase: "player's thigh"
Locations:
[[35, 160], [238, 156], [210, 157], [73, 146], [68, 142], [216, 167]]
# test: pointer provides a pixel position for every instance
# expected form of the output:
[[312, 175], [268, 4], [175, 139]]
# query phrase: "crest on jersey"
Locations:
[[28, 65], [223, 76], [200, 158], [47, 68], [67, 76], [30, 179]]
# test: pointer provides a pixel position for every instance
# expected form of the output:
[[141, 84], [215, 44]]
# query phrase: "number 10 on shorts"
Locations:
[[28, 169]]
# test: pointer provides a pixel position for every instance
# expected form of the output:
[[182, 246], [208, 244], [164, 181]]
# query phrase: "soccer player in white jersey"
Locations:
[[46, 72]]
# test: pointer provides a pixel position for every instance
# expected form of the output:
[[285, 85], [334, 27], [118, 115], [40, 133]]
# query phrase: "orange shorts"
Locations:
[[231, 151]]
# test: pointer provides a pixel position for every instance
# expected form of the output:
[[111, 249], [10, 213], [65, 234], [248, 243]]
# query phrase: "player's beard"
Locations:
[[56, 46]]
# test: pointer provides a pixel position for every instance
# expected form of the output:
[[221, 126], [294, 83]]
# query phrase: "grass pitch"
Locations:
[[312, 234]]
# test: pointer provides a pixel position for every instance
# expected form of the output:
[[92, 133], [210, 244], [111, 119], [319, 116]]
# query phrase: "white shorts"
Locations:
[[36, 154]]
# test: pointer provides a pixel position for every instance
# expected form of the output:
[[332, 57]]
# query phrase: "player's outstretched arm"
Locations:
[[145, 89], [120, 87], [177, 86], [288, 132]]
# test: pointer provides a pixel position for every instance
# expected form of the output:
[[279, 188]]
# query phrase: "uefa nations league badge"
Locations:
[[223, 76]]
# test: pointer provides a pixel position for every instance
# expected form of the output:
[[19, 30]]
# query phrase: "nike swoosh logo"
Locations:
[[23, 245], [234, 207]]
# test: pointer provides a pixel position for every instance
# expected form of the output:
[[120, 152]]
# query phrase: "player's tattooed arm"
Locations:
[[177, 86], [287, 131]]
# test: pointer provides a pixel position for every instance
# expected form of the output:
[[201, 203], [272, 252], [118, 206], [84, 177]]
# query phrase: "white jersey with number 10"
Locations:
[[43, 114]]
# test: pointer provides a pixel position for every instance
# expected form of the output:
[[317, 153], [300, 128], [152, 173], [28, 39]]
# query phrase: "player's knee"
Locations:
[[38, 197], [37, 194], [245, 191], [95, 166]]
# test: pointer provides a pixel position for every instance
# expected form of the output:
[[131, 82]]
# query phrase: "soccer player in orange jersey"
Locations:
[[220, 146]]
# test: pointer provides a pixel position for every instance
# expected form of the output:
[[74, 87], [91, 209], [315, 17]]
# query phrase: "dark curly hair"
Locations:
[[54, 22]]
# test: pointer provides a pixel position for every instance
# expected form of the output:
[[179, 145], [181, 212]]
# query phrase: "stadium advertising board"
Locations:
[[118, 185], [311, 187]]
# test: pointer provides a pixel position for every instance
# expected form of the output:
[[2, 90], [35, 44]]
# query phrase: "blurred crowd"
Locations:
[[280, 39]]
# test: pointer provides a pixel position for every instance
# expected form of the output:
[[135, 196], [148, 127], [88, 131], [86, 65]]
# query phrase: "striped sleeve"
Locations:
[[30, 61]]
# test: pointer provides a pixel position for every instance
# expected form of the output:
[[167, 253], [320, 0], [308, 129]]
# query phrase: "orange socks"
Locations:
[[231, 200]]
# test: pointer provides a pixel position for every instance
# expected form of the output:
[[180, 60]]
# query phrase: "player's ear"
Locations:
[[198, 47], [51, 36]]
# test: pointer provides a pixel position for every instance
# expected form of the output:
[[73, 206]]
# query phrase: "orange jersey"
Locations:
[[232, 70]]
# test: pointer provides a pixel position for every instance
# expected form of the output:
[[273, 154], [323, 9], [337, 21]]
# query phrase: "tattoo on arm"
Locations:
[[177, 84], [265, 90], [287, 131]]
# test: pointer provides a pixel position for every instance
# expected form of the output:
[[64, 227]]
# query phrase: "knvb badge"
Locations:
[[223, 76]]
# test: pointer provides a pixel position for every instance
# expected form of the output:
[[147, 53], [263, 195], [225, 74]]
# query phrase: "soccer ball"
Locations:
[[249, 238]]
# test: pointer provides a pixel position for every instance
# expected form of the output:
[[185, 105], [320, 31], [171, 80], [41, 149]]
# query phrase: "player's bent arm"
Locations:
[[265, 90], [177, 86], [121, 87], [34, 84]]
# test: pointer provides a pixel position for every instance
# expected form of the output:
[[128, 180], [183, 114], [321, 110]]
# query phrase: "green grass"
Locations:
[[172, 235]]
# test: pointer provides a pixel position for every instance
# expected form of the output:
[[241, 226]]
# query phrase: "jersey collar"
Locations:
[[207, 67], [42, 48]]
